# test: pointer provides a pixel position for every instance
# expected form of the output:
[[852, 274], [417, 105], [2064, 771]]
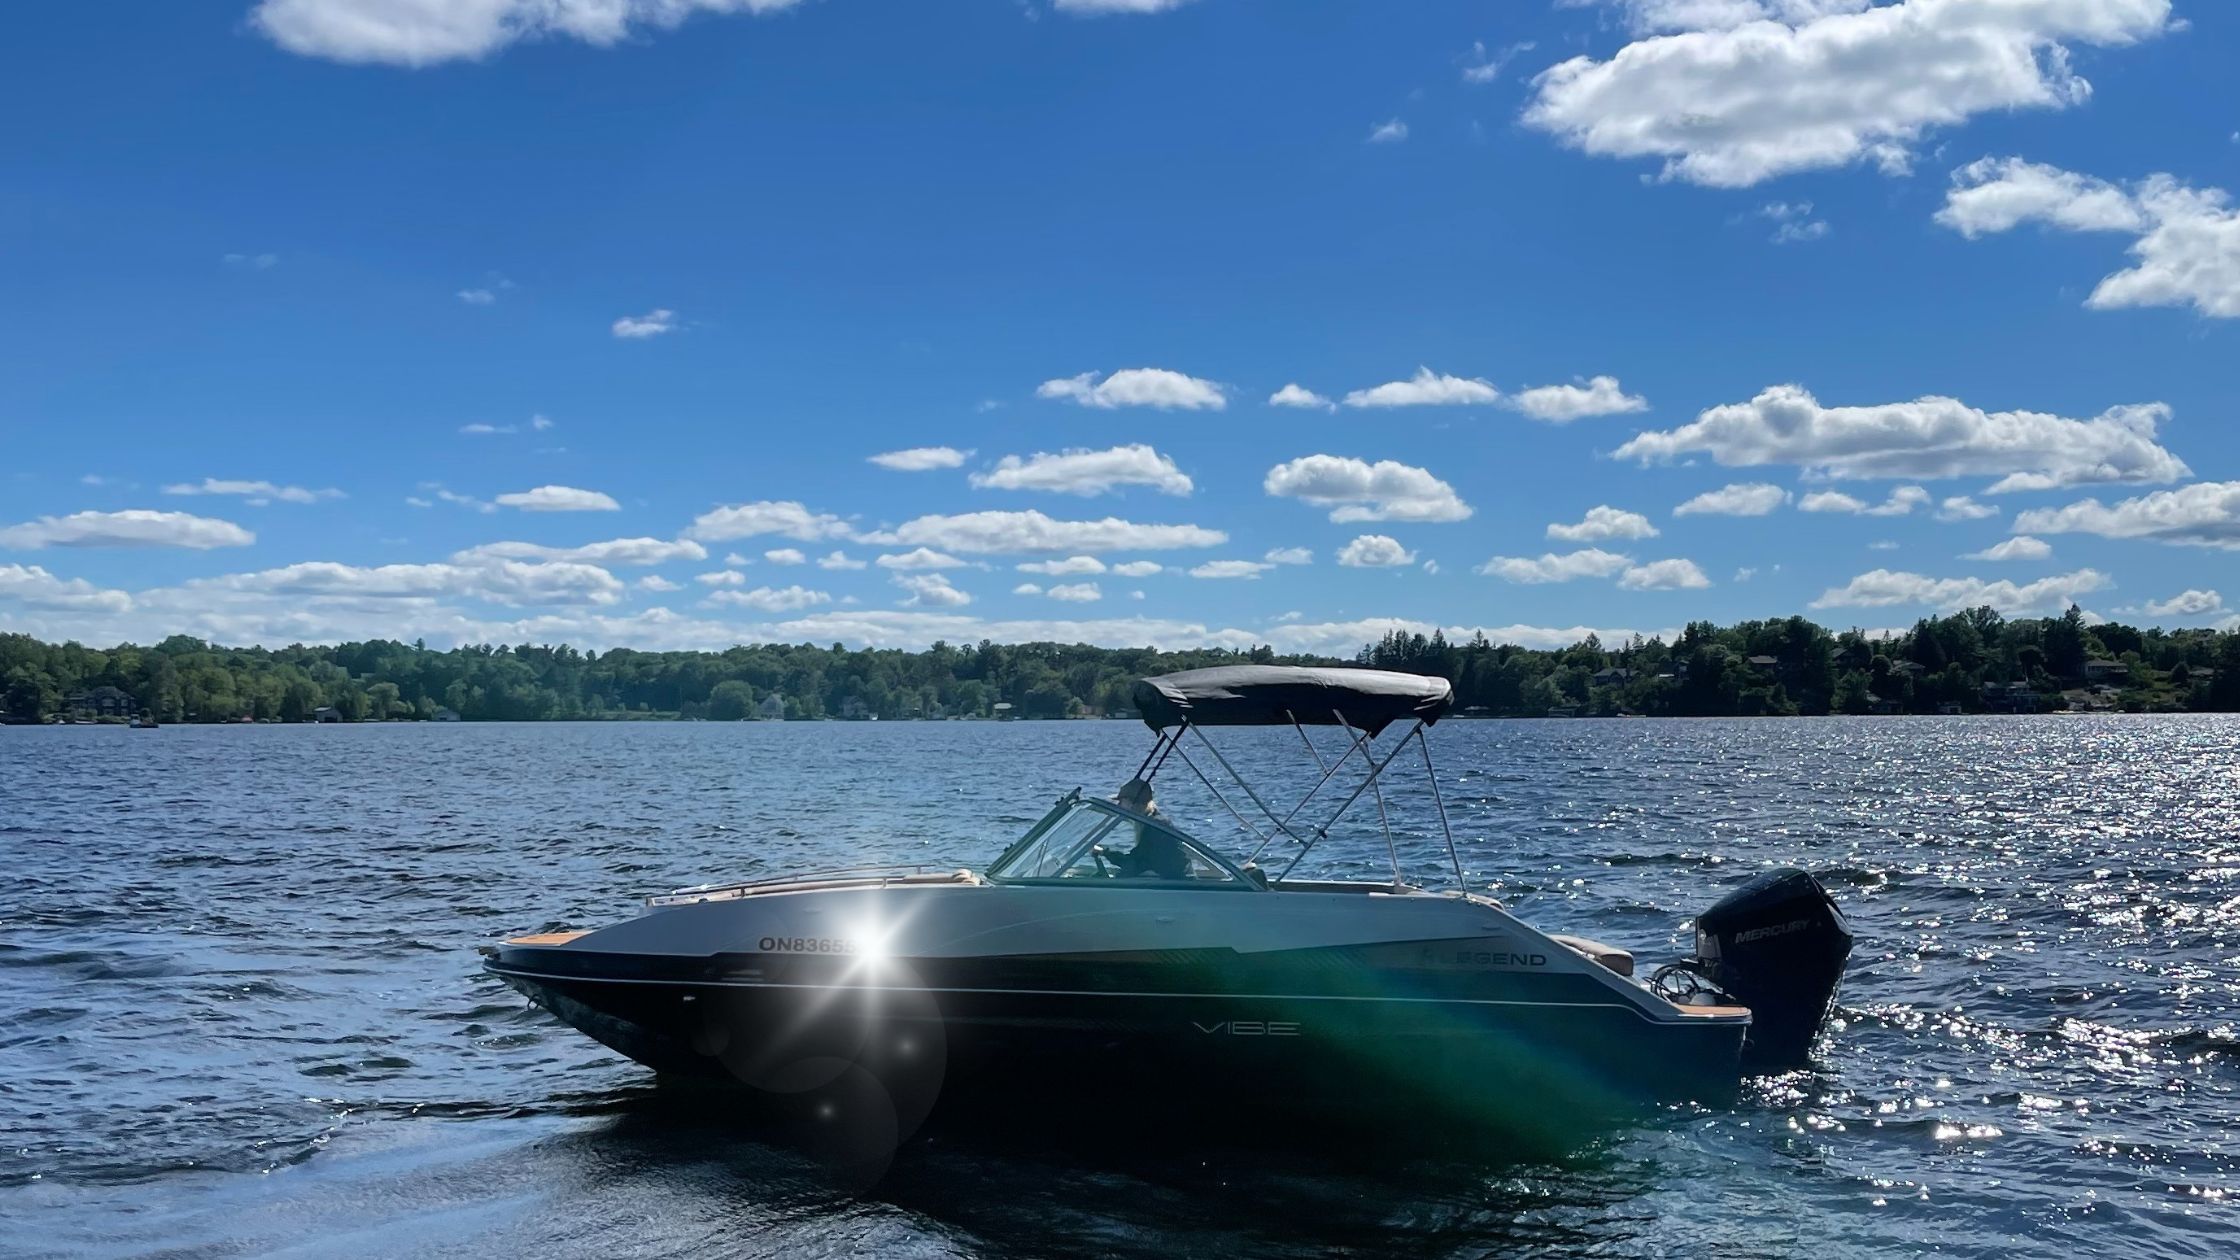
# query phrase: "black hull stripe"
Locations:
[[1708, 1021]]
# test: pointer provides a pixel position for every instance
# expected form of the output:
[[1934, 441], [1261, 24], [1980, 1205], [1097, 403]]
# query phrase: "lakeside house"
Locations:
[[1765, 662], [772, 708], [444, 715], [326, 713], [103, 702], [1613, 676], [2104, 671]]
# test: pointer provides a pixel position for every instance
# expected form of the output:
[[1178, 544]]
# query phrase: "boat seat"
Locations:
[[1610, 956]]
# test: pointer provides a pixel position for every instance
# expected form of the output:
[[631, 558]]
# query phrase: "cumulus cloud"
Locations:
[[1375, 551], [2205, 514], [785, 555], [1663, 575], [772, 599], [930, 590], [1927, 438], [651, 324], [258, 493], [1588, 562], [1026, 588], [721, 577], [1300, 396], [627, 551], [511, 582], [438, 494], [920, 558], [28, 586], [1391, 131], [1735, 94], [782, 517], [1603, 523], [2185, 241], [2020, 547], [1138, 568], [1086, 472], [1883, 588], [1742, 498], [1426, 389], [921, 458], [1962, 508], [998, 533], [1356, 490], [658, 584], [536, 424], [1098, 8], [1247, 569], [1289, 555], [1561, 404], [1485, 67], [132, 527], [1902, 501], [1071, 566], [2189, 603], [559, 499], [1076, 593], [1137, 387], [426, 32], [839, 561]]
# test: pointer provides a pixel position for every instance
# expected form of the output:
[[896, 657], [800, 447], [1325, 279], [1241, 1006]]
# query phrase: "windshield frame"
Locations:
[[1075, 802]]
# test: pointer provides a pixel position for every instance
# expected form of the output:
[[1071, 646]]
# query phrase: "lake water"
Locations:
[[241, 1013]]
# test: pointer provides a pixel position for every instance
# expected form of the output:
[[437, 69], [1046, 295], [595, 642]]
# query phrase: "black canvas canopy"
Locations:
[[1278, 695]]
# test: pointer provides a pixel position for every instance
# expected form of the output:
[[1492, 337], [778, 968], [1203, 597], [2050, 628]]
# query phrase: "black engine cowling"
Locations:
[[1778, 945]]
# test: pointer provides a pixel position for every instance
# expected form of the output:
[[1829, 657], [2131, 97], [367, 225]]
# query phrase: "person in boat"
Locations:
[[1157, 854]]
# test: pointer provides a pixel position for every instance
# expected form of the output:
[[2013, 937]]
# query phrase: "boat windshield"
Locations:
[[1089, 839]]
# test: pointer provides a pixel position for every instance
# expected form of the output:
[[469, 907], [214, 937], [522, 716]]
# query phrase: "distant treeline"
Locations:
[[1974, 661]]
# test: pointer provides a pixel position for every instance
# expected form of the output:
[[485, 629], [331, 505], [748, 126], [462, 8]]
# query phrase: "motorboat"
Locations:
[[1112, 950]]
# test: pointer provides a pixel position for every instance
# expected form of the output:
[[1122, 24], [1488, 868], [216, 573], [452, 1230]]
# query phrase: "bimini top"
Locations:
[[1278, 695]]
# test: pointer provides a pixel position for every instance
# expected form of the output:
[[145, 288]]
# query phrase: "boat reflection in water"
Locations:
[[1113, 970]]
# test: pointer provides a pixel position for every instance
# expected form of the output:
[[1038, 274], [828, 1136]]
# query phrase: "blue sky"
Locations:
[[575, 321]]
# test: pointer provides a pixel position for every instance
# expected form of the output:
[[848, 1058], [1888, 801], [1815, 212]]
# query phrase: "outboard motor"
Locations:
[[1776, 945]]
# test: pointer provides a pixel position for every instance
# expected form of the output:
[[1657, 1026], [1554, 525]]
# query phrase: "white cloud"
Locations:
[[512, 582], [1485, 68], [29, 586], [930, 590], [258, 493], [783, 517], [1588, 562], [772, 599], [1426, 389], [658, 584], [651, 324], [1603, 523], [1077, 593], [1742, 498], [1137, 387], [1883, 588], [133, 527], [1793, 223], [1099, 8], [1929, 438], [1664, 575], [1902, 501], [1962, 508], [721, 577], [921, 458], [1289, 555], [1026, 588], [438, 493], [2205, 514], [2020, 547], [255, 262], [631, 551], [1732, 99], [735, 560], [920, 558], [1356, 490], [1247, 569], [425, 32], [785, 555], [1138, 568], [1375, 551], [996, 533], [2186, 240], [1070, 566], [559, 499], [2189, 603], [1391, 131], [1086, 472], [1300, 396], [1561, 404], [478, 297], [839, 561], [1343, 638]]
